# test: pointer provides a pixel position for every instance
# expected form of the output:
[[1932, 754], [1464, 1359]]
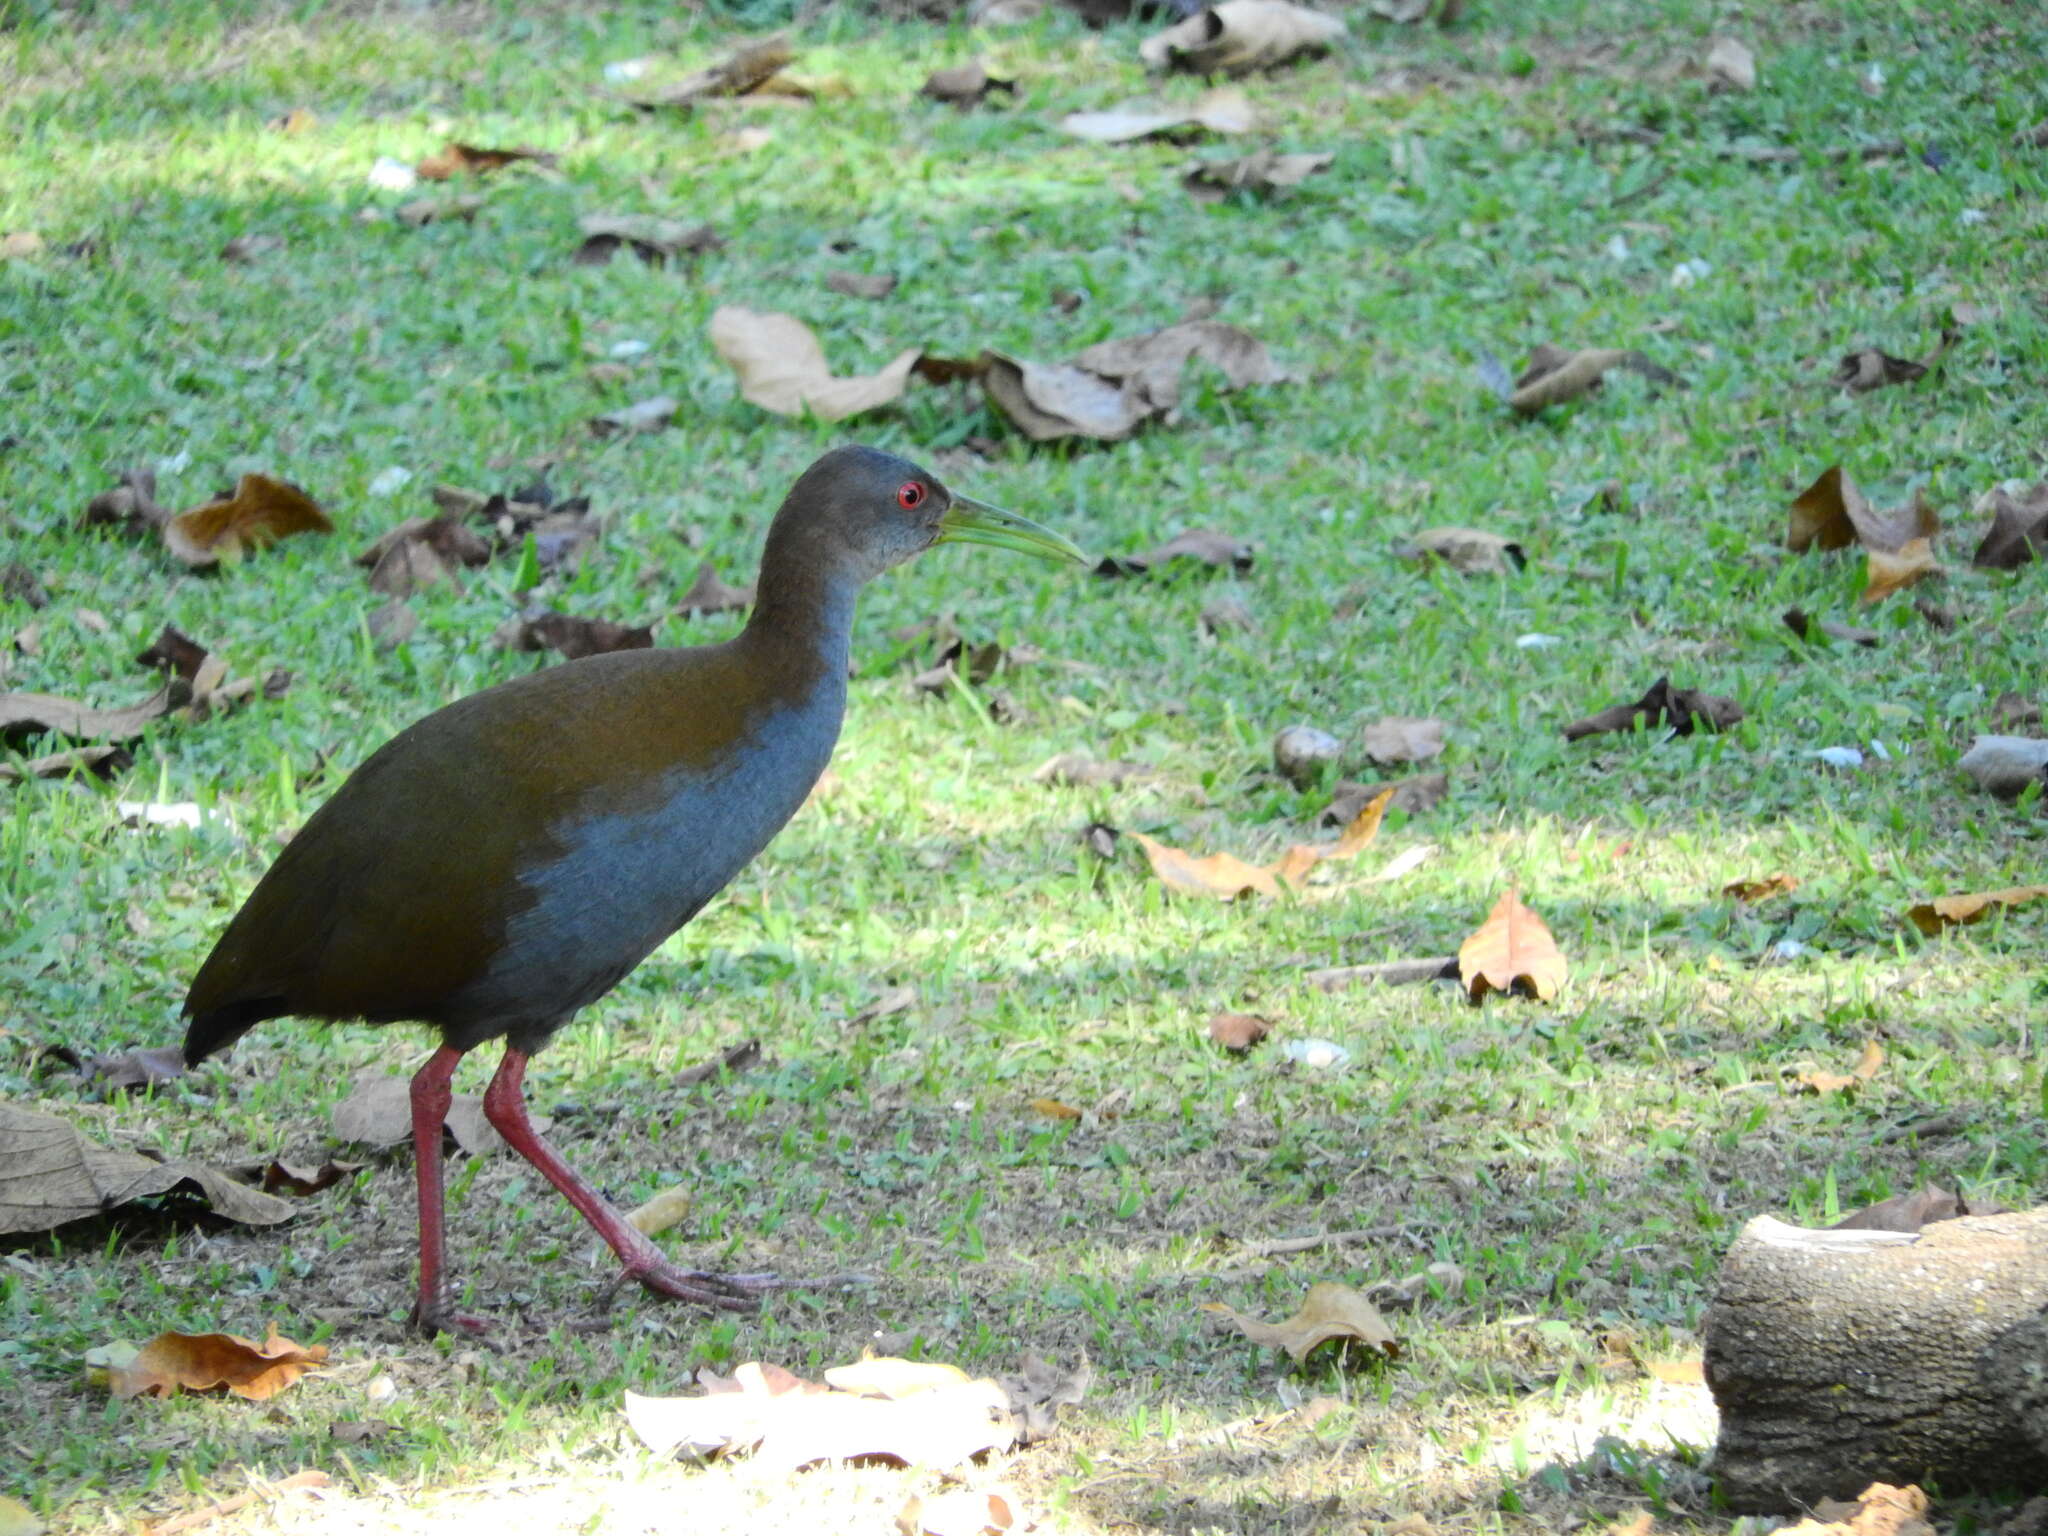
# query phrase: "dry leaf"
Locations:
[[1149, 367], [862, 285], [1225, 110], [1681, 709], [887, 1376], [1555, 375], [1909, 1213], [1077, 769], [26, 714], [1889, 570], [392, 624], [1053, 1109], [1678, 1373], [960, 1513], [421, 552], [734, 1058], [1464, 549], [1880, 1510], [1404, 739], [1867, 1066], [654, 240], [782, 368], [1211, 181], [752, 65], [174, 652], [1752, 891], [1930, 917], [422, 211], [143, 1067], [1731, 65], [172, 1362], [709, 595], [965, 85], [1052, 401], [50, 1174], [655, 1216], [1834, 514], [642, 416], [2013, 710], [546, 630], [1805, 628], [1511, 952], [2018, 532], [130, 505], [259, 513], [1868, 368], [1204, 546], [378, 1113], [1301, 753], [1328, 1312], [1416, 795], [246, 248], [1240, 36], [297, 1179], [457, 159], [102, 762], [1239, 1031], [1038, 1392], [18, 584], [1227, 877]]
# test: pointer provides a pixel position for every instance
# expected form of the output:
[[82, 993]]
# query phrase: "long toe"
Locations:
[[443, 1319], [708, 1288]]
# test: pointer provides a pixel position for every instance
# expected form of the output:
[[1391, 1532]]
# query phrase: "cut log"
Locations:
[[1842, 1358]]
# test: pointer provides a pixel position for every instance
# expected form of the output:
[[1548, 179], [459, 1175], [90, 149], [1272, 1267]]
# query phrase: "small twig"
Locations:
[[1274, 1247], [737, 1059], [1388, 973], [1928, 1126], [310, 1478], [1790, 154], [1637, 194]]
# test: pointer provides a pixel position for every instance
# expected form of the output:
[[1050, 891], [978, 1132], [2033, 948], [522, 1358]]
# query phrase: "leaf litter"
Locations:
[[257, 514], [2019, 528], [1556, 374], [1832, 513], [1330, 1313], [1868, 1065], [1682, 710], [188, 1362], [1224, 110], [1241, 37], [1226, 877], [1931, 917], [1511, 952], [1266, 171]]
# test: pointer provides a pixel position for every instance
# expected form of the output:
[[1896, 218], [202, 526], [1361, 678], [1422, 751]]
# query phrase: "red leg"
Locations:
[[505, 1108], [431, 1096]]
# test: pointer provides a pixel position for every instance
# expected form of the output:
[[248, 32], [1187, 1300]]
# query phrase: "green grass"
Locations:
[[1583, 1162]]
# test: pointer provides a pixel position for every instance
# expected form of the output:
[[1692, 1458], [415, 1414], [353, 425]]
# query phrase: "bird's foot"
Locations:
[[431, 1318], [709, 1288]]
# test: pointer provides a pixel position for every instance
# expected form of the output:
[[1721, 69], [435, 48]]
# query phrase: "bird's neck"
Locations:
[[805, 606]]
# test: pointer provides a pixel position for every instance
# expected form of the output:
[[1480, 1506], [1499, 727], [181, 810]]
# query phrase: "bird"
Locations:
[[508, 859]]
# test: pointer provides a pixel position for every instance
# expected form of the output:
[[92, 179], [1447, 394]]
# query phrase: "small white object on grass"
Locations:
[[619, 71], [1688, 273], [1839, 757], [1617, 248], [386, 481], [1789, 949], [1321, 1054], [174, 463], [157, 813], [389, 175], [624, 350], [1537, 642]]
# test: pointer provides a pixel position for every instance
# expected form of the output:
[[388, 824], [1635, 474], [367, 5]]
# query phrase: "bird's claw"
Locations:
[[439, 1317], [708, 1288]]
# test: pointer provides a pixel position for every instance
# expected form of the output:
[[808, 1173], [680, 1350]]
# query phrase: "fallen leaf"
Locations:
[[1511, 952], [420, 552], [378, 1113], [971, 664], [144, 1067], [862, 285], [1880, 1510], [1889, 570], [1329, 1312], [456, 159], [1239, 1031], [1226, 612], [27, 714], [102, 762], [1053, 1109], [1201, 546], [1468, 550], [422, 211], [130, 505], [174, 1362], [259, 513], [392, 624], [749, 67], [174, 652], [1048, 402], [2000, 765], [246, 248], [1241, 36], [650, 415], [965, 85], [1301, 753], [18, 584], [1079, 770], [546, 630], [782, 367], [1211, 181], [887, 1376], [1868, 368], [963, 1512], [1833, 514], [20, 244], [1416, 795], [1555, 375], [1149, 367], [708, 595], [1680, 709], [1931, 917], [655, 241], [1753, 891], [50, 1174], [1805, 628], [358, 1431], [1040, 1389], [2014, 709], [1227, 877], [656, 1215], [1404, 739], [2018, 532], [1731, 65], [299, 1180], [1224, 110], [1911, 1212], [1867, 1066], [1678, 1373], [17, 1519]]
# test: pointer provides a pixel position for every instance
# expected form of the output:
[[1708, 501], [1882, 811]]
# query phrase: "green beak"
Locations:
[[968, 521]]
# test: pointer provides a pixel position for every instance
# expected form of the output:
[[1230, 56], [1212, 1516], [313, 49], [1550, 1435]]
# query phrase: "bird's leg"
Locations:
[[505, 1108], [431, 1096]]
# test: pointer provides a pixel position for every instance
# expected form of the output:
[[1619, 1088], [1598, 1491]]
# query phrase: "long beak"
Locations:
[[968, 521]]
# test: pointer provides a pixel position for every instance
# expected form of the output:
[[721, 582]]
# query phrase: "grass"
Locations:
[[1584, 1163]]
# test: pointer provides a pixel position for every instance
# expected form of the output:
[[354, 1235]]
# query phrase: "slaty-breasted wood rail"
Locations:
[[508, 859]]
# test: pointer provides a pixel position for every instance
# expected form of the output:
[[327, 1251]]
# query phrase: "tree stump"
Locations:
[[1843, 1358]]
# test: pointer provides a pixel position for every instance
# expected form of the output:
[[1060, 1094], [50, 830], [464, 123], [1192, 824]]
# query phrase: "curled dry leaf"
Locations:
[[1930, 917], [1909, 1213], [1225, 110], [1555, 375], [1868, 1065], [708, 595], [1404, 739], [1239, 37], [457, 159], [280, 1177], [1511, 952], [422, 211], [259, 513], [1731, 65], [27, 714], [1880, 1510], [1227, 877], [1239, 1031], [862, 285], [1806, 628], [1211, 181], [1079, 770], [1199, 546], [1832, 513], [130, 506], [654, 240], [546, 630], [1421, 793], [144, 1067], [1113, 387], [650, 415], [50, 1174], [175, 1362], [2018, 532], [102, 762], [420, 552], [1468, 550], [1329, 1313], [965, 85], [1054, 1109], [378, 1113], [964, 1512], [1681, 709], [782, 367], [174, 652], [746, 70], [657, 1215], [1868, 368], [2000, 765], [1752, 891], [1889, 570]]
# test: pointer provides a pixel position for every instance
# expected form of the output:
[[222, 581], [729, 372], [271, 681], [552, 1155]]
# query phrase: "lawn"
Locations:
[[1533, 174]]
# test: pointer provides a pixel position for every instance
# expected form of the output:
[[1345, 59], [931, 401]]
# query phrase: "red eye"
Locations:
[[911, 496]]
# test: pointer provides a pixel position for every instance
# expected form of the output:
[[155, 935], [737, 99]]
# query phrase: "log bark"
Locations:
[[1842, 1358]]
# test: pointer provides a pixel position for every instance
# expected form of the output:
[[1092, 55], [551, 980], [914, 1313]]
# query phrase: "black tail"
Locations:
[[218, 1028]]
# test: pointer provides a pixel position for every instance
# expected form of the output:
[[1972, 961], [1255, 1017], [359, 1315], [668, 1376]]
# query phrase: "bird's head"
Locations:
[[873, 510]]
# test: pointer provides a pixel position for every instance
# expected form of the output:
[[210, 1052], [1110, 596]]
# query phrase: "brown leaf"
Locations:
[[1880, 1510], [1805, 628], [1869, 369], [26, 714], [1211, 181], [1329, 1312], [1053, 1109], [1050, 401], [963, 1512], [1909, 1213], [1227, 877], [747, 69], [734, 1058], [1239, 1031], [1468, 550], [172, 1362], [130, 506], [1834, 514], [2018, 531], [650, 415], [102, 762], [420, 552], [1555, 375], [1149, 367], [1421, 793], [965, 85], [1889, 570], [782, 367], [657, 1215], [259, 513], [547, 630], [301, 1180], [2013, 711], [655, 241], [456, 159], [422, 211], [1239, 37], [1079, 770], [1511, 952], [862, 285], [1752, 891], [1867, 1066], [1404, 739], [174, 652], [1731, 65], [1040, 1389], [50, 1174], [392, 624], [378, 1113], [18, 584], [708, 594], [144, 1067], [1225, 110], [1204, 546], [1681, 709], [887, 1376], [1931, 917]]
